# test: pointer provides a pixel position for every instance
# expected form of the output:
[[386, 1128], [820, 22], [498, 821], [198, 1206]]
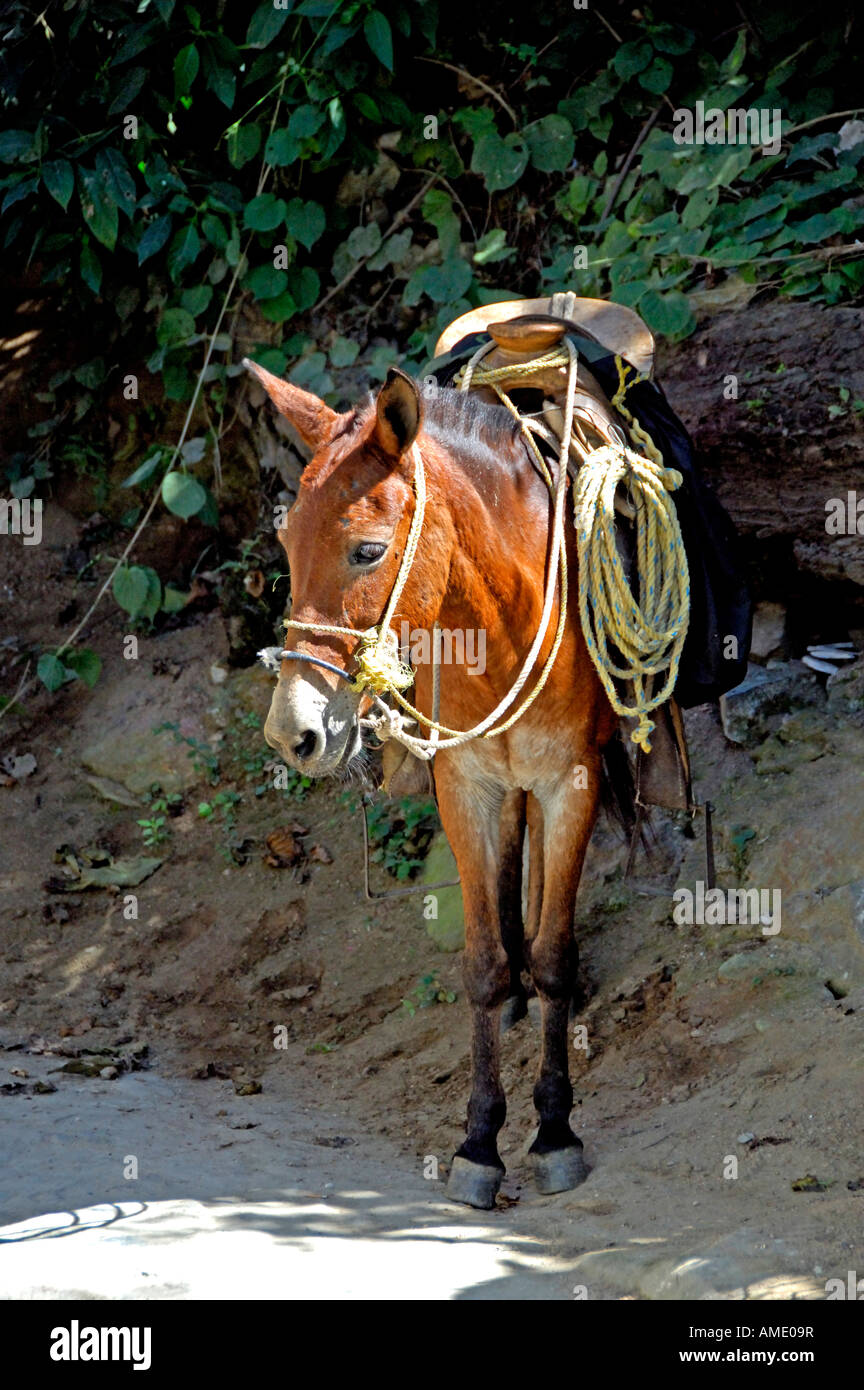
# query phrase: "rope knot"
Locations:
[[379, 666]]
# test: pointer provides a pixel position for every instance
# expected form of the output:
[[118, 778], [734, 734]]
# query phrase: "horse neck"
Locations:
[[490, 563]]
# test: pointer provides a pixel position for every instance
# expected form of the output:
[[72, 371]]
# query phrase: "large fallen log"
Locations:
[[769, 394]]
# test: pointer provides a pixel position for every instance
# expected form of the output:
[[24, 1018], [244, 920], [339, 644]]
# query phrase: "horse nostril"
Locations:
[[306, 747]]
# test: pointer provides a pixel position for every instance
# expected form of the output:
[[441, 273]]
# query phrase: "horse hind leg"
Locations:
[[556, 1153], [511, 839]]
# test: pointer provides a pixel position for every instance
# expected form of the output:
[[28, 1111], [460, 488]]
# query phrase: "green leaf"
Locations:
[[733, 63], [153, 600], [186, 66], [144, 470], [194, 450], [185, 248], [305, 221], [86, 665], [281, 149], [438, 209], [343, 352], [305, 287], [379, 37], [244, 142], [119, 183], [367, 107], [824, 224], [182, 495], [196, 299], [223, 82], [657, 77], [265, 281], [672, 38], [130, 588], [632, 58], [669, 313], [264, 213], [305, 121], [364, 241], [174, 599], [90, 267], [90, 374], [394, 249], [59, 178], [153, 238], [266, 23], [443, 283], [175, 326], [278, 309], [20, 186], [98, 207], [214, 231], [130, 85], [493, 247], [15, 145], [500, 162], [51, 671], [551, 142]]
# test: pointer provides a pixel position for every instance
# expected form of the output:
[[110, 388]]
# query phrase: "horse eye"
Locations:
[[368, 552]]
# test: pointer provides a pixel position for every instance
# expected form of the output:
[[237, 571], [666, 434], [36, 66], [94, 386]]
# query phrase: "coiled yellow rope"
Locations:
[[647, 635]]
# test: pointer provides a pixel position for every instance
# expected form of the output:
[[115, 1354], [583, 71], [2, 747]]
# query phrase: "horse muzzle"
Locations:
[[315, 729]]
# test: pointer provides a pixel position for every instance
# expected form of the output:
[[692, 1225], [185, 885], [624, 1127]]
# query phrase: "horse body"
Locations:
[[480, 567]]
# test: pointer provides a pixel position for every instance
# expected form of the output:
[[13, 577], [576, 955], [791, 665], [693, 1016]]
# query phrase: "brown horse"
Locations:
[[480, 567]]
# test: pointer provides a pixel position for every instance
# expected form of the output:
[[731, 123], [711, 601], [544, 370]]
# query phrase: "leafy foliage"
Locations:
[[400, 833], [162, 163]]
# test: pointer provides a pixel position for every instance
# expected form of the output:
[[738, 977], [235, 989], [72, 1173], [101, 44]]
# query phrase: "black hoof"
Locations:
[[559, 1170], [475, 1184], [515, 1008]]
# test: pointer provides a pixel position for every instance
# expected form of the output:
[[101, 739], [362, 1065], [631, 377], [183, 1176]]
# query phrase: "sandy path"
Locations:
[[289, 1210]]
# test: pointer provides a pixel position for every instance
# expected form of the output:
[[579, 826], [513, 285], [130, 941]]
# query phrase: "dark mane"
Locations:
[[454, 418]]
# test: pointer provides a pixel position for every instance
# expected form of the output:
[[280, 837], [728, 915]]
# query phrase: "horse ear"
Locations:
[[311, 418], [399, 413]]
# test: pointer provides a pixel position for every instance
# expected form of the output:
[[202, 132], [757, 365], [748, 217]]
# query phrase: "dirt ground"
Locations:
[[720, 1098]]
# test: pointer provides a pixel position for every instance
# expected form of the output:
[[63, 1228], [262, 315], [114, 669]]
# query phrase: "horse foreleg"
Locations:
[[477, 1169], [568, 818]]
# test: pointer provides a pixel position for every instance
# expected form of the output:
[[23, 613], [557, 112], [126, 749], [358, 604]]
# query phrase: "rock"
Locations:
[[113, 791], [82, 1066], [737, 1266], [766, 691], [845, 692], [769, 628], [18, 766], [786, 430], [741, 966], [139, 758], [800, 738], [447, 927], [247, 1088]]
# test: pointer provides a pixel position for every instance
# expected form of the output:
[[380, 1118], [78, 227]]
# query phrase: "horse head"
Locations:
[[344, 538]]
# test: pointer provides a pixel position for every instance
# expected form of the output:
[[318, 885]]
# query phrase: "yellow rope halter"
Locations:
[[379, 666]]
